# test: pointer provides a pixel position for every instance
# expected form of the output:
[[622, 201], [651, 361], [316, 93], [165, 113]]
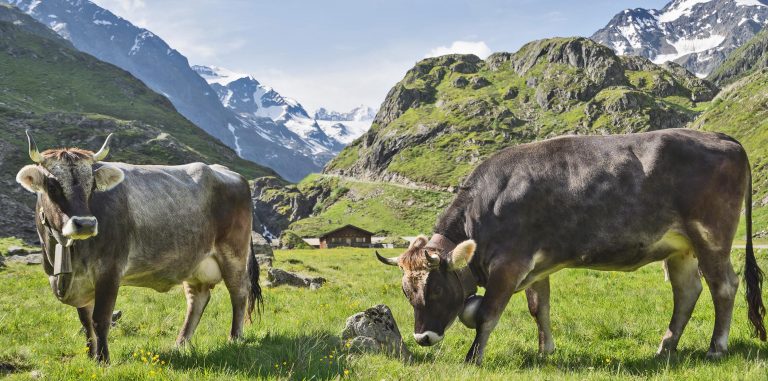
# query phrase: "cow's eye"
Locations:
[[54, 189]]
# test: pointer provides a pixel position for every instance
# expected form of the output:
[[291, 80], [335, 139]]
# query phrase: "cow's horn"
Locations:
[[386, 261], [102, 154], [432, 259], [34, 153]]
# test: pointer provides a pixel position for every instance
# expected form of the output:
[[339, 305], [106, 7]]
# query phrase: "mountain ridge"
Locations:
[[697, 34]]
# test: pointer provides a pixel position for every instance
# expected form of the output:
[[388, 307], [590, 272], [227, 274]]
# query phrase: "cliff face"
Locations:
[[450, 112]]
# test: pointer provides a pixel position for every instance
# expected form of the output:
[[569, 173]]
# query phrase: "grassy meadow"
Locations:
[[607, 325]]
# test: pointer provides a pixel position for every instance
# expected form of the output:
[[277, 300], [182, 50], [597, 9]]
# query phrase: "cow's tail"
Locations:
[[255, 299], [753, 276]]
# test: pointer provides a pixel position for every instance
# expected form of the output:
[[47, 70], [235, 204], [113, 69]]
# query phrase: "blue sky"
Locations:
[[339, 54]]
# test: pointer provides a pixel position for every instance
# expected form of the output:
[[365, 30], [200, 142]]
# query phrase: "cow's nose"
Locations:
[[84, 222], [427, 338], [81, 227]]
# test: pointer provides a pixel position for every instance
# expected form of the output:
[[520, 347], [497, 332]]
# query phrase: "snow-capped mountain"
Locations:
[[347, 126], [113, 39], [257, 105], [697, 34]]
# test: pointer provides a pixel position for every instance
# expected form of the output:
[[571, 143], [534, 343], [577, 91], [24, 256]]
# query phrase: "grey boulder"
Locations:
[[31, 259], [375, 330], [277, 277]]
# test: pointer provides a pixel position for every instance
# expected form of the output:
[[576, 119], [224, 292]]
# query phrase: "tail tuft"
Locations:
[[255, 298]]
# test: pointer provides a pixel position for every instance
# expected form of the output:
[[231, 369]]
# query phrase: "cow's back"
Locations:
[[608, 194]]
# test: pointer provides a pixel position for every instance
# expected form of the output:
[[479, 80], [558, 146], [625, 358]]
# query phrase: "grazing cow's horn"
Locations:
[[34, 153], [432, 259], [386, 261], [102, 154]]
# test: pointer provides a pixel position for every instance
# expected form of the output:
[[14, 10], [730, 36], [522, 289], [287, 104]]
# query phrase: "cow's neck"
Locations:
[[451, 225]]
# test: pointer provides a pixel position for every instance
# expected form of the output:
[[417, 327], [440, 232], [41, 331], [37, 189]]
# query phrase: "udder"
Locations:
[[207, 272]]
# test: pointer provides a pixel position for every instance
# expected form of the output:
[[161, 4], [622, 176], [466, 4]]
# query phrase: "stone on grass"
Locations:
[[375, 330], [277, 277], [31, 259], [17, 250]]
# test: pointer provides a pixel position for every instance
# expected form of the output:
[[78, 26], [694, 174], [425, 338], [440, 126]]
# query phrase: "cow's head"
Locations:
[[432, 286], [65, 180]]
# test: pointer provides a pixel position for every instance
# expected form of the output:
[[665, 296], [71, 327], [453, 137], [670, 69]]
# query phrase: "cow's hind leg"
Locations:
[[683, 270], [235, 275], [86, 319], [713, 249], [723, 283], [197, 296], [538, 304]]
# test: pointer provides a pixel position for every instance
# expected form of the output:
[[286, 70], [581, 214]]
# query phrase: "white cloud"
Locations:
[[478, 48]]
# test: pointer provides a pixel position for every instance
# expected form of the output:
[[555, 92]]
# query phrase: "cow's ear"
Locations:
[[107, 177], [32, 178], [462, 254]]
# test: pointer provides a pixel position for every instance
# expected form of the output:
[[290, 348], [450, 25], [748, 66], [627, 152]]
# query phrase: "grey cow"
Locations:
[[104, 225], [599, 202]]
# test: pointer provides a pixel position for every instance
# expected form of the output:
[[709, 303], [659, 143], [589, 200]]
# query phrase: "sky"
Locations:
[[340, 54]]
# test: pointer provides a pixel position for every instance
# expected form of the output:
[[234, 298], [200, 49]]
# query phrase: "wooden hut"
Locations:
[[347, 235]]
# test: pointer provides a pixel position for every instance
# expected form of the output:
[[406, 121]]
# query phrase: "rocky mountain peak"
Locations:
[[450, 112], [697, 34]]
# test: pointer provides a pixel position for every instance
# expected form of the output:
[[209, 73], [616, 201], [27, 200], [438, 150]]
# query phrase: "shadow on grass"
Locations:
[[316, 355], [640, 366]]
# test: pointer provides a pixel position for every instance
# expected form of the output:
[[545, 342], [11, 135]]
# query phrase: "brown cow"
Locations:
[[600, 202], [104, 225]]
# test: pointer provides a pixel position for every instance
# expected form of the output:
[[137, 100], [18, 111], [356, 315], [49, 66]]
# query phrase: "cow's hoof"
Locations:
[[665, 352], [473, 360], [715, 355]]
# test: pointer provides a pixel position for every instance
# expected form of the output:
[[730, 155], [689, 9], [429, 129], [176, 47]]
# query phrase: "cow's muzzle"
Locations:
[[427, 338], [80, 227]]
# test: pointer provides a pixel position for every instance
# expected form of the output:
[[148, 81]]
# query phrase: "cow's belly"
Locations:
[[629, 258], [163, 272], [637, 254]]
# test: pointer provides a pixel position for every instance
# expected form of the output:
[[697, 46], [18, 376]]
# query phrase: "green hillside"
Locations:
[[66, 97], [320, 203], [451, 112]]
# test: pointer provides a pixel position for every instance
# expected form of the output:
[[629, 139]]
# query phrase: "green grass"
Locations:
[[607, 326]]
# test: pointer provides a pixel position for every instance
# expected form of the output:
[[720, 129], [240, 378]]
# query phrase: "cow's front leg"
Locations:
[[106, 294], [86, 319], [502, 282], [538, 304]]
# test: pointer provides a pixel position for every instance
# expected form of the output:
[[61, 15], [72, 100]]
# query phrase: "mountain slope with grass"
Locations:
[[451, 112], [66, 97], [321, 203]]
